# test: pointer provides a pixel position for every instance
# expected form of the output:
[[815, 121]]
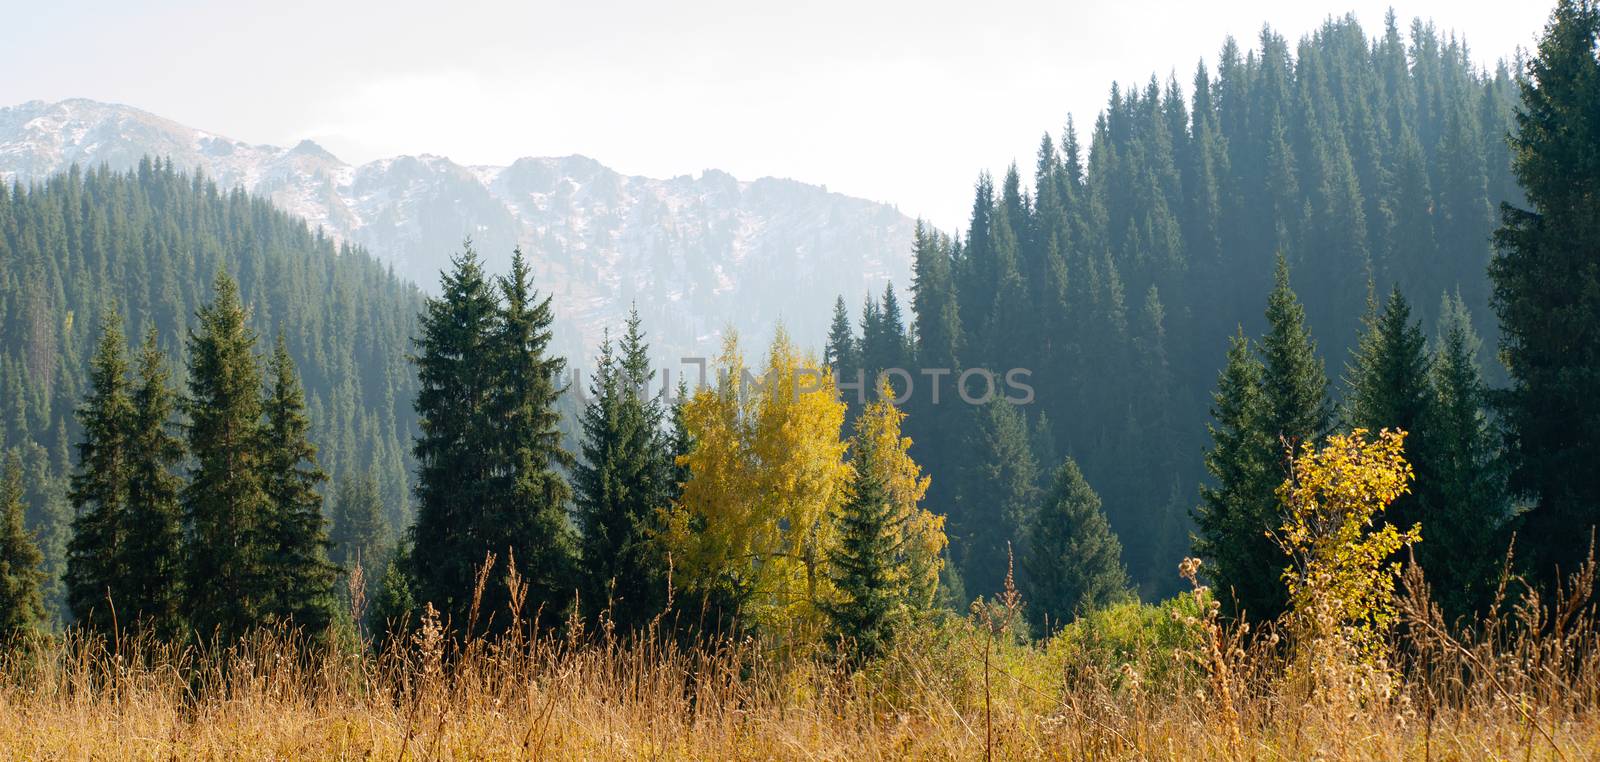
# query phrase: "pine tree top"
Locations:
[[1294, 378]]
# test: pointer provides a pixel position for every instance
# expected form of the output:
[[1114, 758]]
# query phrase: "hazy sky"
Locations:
[[899, 101]]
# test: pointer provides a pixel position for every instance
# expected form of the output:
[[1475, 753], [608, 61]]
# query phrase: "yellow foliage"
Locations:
[[711, 523], [924, 539], [766, 473], [1341, 576]]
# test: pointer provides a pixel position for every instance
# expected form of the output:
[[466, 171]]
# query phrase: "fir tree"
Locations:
[[621, 484], [1074, 560], [294, 534], [862, 564], [1042, 443], [394, 606], [884, 344], [1547, 292], [975, 271], [1009, 336], [1409, 206], [153, 528], [489, 447], [1465, 224], [1465, 537], [679, 443], [1293, 378], [937, 328], [1240, 504], [840, 353], [21, 604], [844, 352], [1389, 389], [225, 505], [528, 517], [938, 324], [1263, 407], [99, 491], [456, 459], [997, 496]]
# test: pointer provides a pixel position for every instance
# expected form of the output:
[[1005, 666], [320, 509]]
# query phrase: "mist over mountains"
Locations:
[[696, 254]]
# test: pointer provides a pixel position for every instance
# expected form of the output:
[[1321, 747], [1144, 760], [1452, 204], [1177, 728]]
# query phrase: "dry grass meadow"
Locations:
[[1170, 681]]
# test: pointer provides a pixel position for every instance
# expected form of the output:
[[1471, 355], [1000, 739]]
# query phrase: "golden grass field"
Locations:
[[1172, 681]]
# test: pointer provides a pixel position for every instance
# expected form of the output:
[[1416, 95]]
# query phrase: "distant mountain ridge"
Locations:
[[696, 254]]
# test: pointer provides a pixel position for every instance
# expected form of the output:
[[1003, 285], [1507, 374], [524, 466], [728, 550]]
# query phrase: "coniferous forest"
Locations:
[[1119, 263], [1288, 449], [144, 249]]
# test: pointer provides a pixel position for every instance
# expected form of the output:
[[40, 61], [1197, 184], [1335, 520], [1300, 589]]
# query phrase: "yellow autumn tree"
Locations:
[[713, 521], [766, 473], [1342, 567], [922, 540]]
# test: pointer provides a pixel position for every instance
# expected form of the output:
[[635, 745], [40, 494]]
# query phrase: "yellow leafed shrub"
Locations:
[[1342, 567]]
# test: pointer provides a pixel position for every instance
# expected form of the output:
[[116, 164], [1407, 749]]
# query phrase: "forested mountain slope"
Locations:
[[148, 243], [1145, 242]]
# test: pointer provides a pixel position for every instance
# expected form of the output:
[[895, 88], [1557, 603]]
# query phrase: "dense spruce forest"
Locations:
[[146, 246], [1175, 289], [1324, 323], [1118, 266]]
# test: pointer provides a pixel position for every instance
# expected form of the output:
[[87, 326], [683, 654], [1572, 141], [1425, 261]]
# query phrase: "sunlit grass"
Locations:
[[1160, 682]]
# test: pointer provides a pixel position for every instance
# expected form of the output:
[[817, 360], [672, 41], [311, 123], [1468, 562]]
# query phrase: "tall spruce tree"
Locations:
[[489, 448], [1388, 374], [1009, 337], [1073, 561], [21, 572], [225, 505], [933, 300], [1240, 505], [862, 564], [937, 327], [529, 518], [885, 345], [298, 577], [394, 608], [153, 520], [975, 271], [996, 498], [622, 484], [841, 352], [1389, 388], [1042, 443], [1265, 406], [457, 462], [99, 488], [1547, 292], [1293, 378], [1465, 532]]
